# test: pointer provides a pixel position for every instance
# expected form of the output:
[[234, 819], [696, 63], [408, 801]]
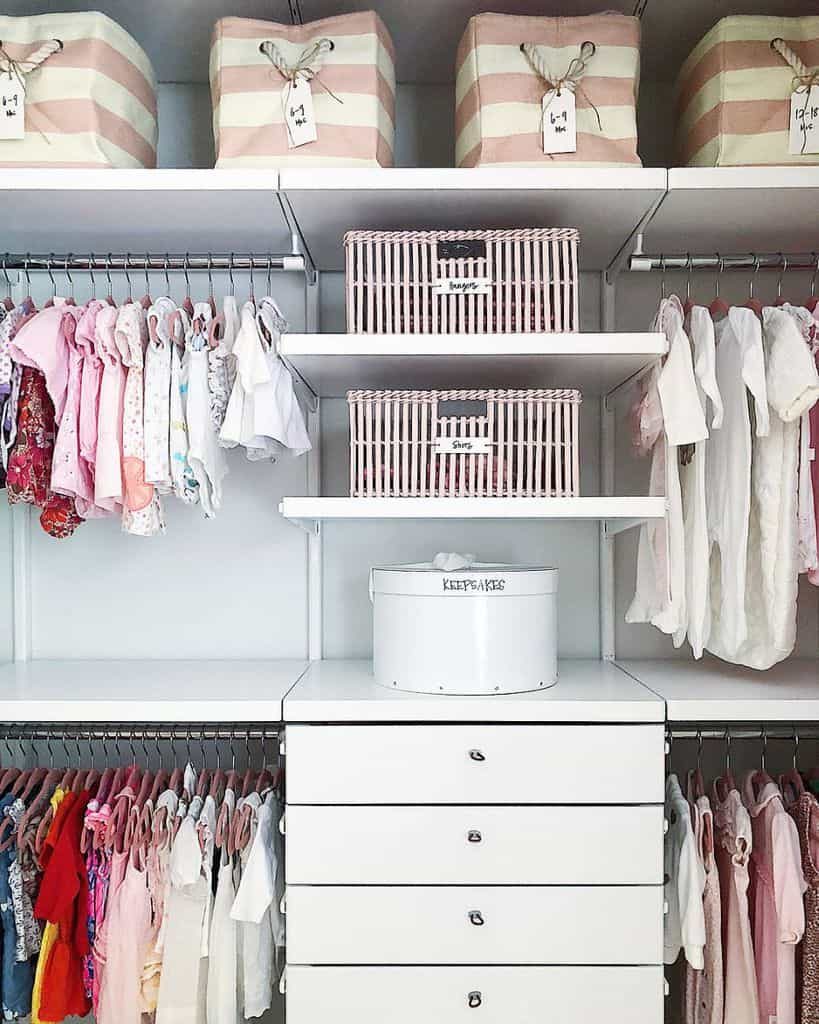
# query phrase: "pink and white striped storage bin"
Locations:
[[464, 444], [734, 91], [462, 282], [89, 103], [352, 84], [499, 94]]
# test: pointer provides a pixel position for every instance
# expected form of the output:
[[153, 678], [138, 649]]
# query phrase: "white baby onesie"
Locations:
[[740, 368], [684, 922], [808, 541], [661, 551], [692, 482], [206, 457], [773, 545]]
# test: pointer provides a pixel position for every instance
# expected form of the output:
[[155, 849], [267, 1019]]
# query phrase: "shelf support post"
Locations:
[[315, 555], [606, 538]]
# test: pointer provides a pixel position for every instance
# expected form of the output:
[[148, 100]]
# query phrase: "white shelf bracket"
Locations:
[[612, 527], [633, 245]]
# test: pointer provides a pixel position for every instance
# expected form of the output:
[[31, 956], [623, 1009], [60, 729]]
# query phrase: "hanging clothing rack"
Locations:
[[744, 732], [126, 732], [127, 262], [725, 261]]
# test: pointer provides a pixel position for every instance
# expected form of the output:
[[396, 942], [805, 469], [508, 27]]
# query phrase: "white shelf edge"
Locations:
[[158, 179], [705, 179], [588, 690], [638, 509], [475, 179], [714, 691], [183, 690], [442, 345]]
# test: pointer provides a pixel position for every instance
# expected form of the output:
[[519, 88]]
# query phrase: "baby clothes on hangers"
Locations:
[[10, 384], [142, 512], [808, 540], [777, 885], [804, 810], [740, 367], [734, 842], [704, 989], [684, 923], [813, 455], [772, 580], [221, 361], [157, 409], [660, 590], [205, 455], [184, 482], [223, 995], [183, 983], [129, 917], [108, 467], [256, 910], [69, 474], [278, 415], [17, 975], [692, 483], [91, 380]]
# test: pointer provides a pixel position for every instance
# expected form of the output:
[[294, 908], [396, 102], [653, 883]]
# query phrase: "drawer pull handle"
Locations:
[[476, 918], [477, 755], [474, 836], [474, 999]]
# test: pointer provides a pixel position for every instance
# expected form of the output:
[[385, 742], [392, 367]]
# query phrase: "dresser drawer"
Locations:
[[474, 925], [488, 995], [475, 845], [480, 764]]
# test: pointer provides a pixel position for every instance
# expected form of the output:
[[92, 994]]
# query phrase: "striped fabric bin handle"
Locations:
[[21, 68]]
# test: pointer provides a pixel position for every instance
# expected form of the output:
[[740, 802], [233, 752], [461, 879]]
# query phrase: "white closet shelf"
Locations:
[[595, 363], [158, 210], [586, 691], [604, 204], [736, 209], [146, 691], [619, 513], [714, 691]]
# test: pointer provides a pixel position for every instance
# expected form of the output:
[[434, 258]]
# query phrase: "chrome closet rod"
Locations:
[[724, 261], [126, 262], [745, 732], [126, 731]]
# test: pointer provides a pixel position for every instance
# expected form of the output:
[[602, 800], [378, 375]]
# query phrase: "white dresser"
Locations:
[[492, 859]]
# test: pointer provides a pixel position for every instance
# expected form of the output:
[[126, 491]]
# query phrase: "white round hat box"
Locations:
[[483, 629]]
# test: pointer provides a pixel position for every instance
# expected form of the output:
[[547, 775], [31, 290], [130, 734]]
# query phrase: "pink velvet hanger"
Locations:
[[780, 300], [719, 307], [753, 303], [813, 301]]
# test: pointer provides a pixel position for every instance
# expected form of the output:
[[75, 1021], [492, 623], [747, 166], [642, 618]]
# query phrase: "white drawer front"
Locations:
[[481, 764], [475, 845], [441, 925], [488, 995]]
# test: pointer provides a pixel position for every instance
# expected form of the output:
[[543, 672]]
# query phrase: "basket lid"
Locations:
[[481, 579]]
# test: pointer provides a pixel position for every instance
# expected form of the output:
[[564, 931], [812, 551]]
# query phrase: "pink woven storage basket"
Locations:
[[462, 282], [435, 444]]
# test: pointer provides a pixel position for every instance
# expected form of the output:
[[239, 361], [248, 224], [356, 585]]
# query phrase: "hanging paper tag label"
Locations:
[[299, 115], [462, 446], [462, 286], [559, 117], [804, 124], [12, 108]]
